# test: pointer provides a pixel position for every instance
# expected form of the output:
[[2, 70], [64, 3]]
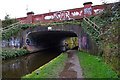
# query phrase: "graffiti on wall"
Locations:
[[98, 11], [11, 42], [88, 11], [77, 13], [84, 42], [70, 14], [4, 43], [79, 43], [62, 15]]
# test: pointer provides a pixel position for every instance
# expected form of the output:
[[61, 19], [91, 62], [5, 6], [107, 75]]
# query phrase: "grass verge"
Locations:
[[13, 53], [94, 67], [51, 69]]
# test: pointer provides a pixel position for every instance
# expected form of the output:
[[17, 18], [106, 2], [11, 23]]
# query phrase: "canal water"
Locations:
[[20, 66]]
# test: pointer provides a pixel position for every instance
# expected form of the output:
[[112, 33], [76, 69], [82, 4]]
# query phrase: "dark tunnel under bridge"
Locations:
[[42, 40]]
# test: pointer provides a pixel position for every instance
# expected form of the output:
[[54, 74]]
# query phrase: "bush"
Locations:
[[24, 47], [13, 53], [8, 22]]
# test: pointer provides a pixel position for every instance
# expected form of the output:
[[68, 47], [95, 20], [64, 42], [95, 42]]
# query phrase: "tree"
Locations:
[[7, 17]]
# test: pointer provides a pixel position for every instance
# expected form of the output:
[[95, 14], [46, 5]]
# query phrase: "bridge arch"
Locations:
[[47, 39]]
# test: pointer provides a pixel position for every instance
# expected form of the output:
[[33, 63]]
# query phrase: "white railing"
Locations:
[[92, 24], [11, 26]]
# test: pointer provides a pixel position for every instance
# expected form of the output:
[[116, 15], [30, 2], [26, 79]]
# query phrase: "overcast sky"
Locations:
[[17, 8]]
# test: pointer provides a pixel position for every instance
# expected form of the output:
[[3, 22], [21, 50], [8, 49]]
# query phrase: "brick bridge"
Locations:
[[44, 36]]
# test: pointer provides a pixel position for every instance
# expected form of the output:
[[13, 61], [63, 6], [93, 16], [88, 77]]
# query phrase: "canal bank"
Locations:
[[12, 53], [51, 69], [74, 64], [66, 65], [23, 65]]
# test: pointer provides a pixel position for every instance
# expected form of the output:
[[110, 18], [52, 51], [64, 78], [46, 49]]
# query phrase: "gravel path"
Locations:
[[72, 68]]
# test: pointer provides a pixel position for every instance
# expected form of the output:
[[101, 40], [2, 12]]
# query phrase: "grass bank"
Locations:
[[13, 53], [51, 69], [94, 67]]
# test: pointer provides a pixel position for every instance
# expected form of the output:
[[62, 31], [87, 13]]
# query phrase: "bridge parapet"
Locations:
[[64, 15]]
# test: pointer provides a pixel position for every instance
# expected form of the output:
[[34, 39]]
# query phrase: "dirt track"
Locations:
[[72, 68]]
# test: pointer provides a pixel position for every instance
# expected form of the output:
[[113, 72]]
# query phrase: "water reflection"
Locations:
[[21, 66]]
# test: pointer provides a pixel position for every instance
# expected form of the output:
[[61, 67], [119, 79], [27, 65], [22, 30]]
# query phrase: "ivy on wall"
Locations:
[[108, 23], [8, 22], [108, 42], [15, 29]]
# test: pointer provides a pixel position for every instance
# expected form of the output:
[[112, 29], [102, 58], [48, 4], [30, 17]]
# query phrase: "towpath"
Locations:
[[72, 68]]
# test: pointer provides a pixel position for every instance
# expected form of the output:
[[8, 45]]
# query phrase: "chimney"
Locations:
[[29, 18], [88, 9]]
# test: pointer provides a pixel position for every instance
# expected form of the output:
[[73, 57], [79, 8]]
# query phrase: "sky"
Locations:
[[19, 8]]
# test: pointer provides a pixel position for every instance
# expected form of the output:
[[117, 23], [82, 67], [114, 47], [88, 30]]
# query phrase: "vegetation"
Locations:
[[51, 69], [13, 53], [108, 23], [71, 42], [94, 67], [8, 22], [13, 31]]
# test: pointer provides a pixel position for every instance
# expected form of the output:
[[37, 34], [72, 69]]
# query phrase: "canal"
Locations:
[[20, 66]]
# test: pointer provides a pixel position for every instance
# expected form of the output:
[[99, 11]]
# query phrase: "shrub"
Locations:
[[8, 22], [13, 53]]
